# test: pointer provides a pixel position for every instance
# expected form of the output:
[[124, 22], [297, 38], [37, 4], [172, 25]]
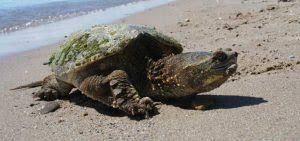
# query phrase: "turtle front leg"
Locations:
[[52, 89], [115, 90]]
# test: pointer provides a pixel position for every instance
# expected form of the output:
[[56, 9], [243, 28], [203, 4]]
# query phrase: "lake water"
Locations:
[[19, 14], [29, 24]]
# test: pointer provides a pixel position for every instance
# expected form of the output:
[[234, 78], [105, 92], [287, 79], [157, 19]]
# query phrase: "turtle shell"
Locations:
[[101, 41]]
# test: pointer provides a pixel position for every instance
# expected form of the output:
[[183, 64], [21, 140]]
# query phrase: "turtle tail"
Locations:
[[28, 86]]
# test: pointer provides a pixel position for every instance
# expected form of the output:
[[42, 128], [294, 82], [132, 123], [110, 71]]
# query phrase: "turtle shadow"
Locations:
[[76, 97], [217, 101]]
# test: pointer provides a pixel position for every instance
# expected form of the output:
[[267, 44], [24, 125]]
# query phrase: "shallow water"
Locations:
[[7, 4], [16, 14], [50, 33]]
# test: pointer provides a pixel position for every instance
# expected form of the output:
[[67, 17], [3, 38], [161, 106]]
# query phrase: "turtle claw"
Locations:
[[157, 103], [148, 107], [143, 108], [147, 115]]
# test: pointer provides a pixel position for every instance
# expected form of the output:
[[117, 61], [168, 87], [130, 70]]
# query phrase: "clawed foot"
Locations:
[[46, 94], [143, 107]]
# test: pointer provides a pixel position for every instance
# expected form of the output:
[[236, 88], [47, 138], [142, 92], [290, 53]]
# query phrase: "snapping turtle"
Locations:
[[126, 66]]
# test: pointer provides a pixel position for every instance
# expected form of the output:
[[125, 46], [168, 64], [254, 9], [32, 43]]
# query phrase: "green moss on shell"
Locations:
[[101, 41]]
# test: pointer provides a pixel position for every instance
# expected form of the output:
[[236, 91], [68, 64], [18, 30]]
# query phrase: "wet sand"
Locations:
[[261, 102]]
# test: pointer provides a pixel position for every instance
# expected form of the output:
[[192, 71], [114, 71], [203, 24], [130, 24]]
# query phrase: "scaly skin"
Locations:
[[116, 90], [52, 88], [190, 73]]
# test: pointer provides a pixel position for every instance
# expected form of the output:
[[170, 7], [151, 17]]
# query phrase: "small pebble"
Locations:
[[33, 104], [285, 0], [271, 7], [262, 10], [291, 57], [49, 107], [85, 113], [60, 120], [181, 24]]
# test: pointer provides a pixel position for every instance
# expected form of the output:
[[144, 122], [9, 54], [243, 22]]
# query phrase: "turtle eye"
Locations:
[[220, 56]]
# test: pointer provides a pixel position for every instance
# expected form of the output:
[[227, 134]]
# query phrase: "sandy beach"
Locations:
[[261, 102]]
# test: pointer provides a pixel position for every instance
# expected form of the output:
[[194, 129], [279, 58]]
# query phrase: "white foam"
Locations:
[[47, 34]]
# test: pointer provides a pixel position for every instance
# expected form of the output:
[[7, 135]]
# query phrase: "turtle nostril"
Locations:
[[220, 56]]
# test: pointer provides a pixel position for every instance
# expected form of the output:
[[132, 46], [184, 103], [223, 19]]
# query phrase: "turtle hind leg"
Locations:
[[53, 89], [115, 90]]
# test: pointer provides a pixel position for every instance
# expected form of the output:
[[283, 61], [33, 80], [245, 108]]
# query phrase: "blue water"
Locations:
[[8, 4], [20, 14], [52, 29]]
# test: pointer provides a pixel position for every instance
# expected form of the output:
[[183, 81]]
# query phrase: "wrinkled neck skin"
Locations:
[[183, 75]]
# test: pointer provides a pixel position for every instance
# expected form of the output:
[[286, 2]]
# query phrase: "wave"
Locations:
[[47, 34], [20, 15]]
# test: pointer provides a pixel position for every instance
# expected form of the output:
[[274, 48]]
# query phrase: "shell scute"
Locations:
[[99, 42]]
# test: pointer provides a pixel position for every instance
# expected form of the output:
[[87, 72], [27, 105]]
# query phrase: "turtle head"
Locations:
[[205, 71], [192, 72]]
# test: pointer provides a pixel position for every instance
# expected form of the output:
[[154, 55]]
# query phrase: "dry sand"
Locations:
[[262, 102]]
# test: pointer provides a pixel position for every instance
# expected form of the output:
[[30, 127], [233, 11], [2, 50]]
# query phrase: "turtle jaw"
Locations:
[[231, 70], [226, 69], [223, 65]]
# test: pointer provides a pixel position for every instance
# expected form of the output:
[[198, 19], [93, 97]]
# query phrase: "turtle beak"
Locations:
[[230, 70], [226, 61]]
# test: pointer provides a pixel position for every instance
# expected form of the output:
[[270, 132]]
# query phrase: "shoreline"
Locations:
[[261, 102], [82, 8], [52, 33], [53, 46]]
